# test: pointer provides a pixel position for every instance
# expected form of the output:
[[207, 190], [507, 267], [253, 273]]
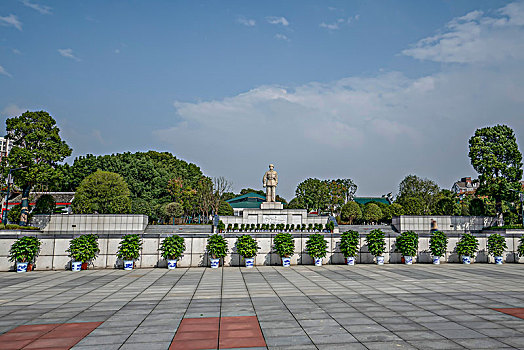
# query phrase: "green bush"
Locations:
[[17, 227], [349, 241], [247, 246], [330, 226], [46, 204], [407, 243], [438, 243], [316, 246], [129, 248], [25, 249], [216, 246], [468, 245], [496, 245], [284, 244], [172, 247], [376, 242], [84, 248], [221, 226], [520, 249]]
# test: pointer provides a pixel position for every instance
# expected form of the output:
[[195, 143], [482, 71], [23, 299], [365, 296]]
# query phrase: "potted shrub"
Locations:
[[258, 228], [172, 248], [284, 245], [221, 226], [310, 227], [330, 226], [407, 245], [235, 227], [496, 247], [229, 227], [349, 241], [316, 247], [438, 244], [216, 248], [247, 247], [292, 227], [242, 227], [520, 249], [467, 247], [82, 250], [24, 251], [376, 243], [252, 226], [129, 250]]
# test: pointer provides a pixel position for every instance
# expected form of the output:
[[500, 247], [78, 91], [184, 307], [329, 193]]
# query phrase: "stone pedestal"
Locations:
[[271, 205]]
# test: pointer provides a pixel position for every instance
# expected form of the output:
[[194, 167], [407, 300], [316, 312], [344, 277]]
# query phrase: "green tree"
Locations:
[[425, 193], [225, 209], [102, 192], [350, 212], [173, 210], [46, 204], [37, 148], [295, 204], [313, 194], [477, 207], [396, 209], [495, 156], [372, 213]]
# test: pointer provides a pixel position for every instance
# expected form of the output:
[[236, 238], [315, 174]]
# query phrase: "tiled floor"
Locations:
[[51, 336], [450, 306]]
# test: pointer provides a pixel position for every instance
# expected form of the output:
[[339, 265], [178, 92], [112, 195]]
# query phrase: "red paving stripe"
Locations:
[[55, 336], [513, 311], [203, 333]]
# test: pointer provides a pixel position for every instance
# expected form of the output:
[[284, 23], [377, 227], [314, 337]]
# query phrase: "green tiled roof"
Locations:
[[248, 200], [365, 200]]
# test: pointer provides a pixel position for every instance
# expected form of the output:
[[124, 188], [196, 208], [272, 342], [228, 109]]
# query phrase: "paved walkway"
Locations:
[[450, 306]]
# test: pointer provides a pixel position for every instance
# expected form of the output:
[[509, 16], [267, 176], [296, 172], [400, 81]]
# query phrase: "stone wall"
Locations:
[[53, 253], [445, 223]]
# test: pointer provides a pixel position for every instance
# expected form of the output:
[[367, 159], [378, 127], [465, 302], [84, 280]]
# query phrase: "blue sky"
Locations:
[[370, 90]]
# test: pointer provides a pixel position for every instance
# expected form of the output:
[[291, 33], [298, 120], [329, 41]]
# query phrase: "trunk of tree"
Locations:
[[498, 208], [25, 205]]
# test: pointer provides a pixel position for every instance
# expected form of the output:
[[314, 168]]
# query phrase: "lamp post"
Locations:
[[9, 181]]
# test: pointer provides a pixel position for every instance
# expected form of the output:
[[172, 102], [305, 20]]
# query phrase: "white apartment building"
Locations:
[[5, 147]]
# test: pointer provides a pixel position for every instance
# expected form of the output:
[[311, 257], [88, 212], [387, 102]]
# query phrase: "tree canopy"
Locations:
[[495, 155], [418, 196], [315, 194], [102, 192]]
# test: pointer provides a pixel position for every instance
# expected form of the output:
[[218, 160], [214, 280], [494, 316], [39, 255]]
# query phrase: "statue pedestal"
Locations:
[[271, 205]]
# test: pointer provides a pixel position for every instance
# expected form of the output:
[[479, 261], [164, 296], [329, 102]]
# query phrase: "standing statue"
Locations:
[[270, 182]]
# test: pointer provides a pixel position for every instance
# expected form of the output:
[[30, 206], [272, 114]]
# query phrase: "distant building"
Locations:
[[5, 147], [465, 186], [63, 200], [366, 200], [249, 200]]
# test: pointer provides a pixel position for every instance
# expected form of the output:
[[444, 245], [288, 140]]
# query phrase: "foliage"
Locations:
[[225, 209], [407, 243], [520, 249], [13, 215], [316, 246], [395, 209], [173, 209], [25, 249], [295, 203], [315, 194], [84, 248], [496, 245], [46, 204], [221, 226], [17, 227], [372, 213], [418, 196], [477, 207], [102, 192], [130, 247], [468, 245], [216, 246], [350, 212], [330, 226], [376, 242], [349, 241], [37, 148], [495, 155], [247, 246], [284, 244], [172, 247], [438, 243], [445, 206]]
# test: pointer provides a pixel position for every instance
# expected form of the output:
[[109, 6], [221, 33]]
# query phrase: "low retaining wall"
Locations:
[[53, 254]]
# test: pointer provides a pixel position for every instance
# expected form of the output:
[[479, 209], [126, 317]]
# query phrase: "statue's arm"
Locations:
[[264, 179], [276, 178]]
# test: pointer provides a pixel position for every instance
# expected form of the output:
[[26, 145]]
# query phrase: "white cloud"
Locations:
[[280, 36], [11, 21], [117, 51], [476, 38], [374, 130], [330, 26], [13, 110], [43, 9], [247, 22], [17, 52], [278, 20], [4, 72], [339, 22], [68, 53]]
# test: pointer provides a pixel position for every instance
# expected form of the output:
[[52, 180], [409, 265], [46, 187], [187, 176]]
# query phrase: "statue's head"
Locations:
[[271, 166]]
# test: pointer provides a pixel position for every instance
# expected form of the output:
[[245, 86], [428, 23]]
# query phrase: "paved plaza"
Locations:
[[394, 306]]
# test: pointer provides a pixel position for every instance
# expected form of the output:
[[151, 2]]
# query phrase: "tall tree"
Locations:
[[414, 192], [350, 212], [37, 149], [313, 194], [495, 156]]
